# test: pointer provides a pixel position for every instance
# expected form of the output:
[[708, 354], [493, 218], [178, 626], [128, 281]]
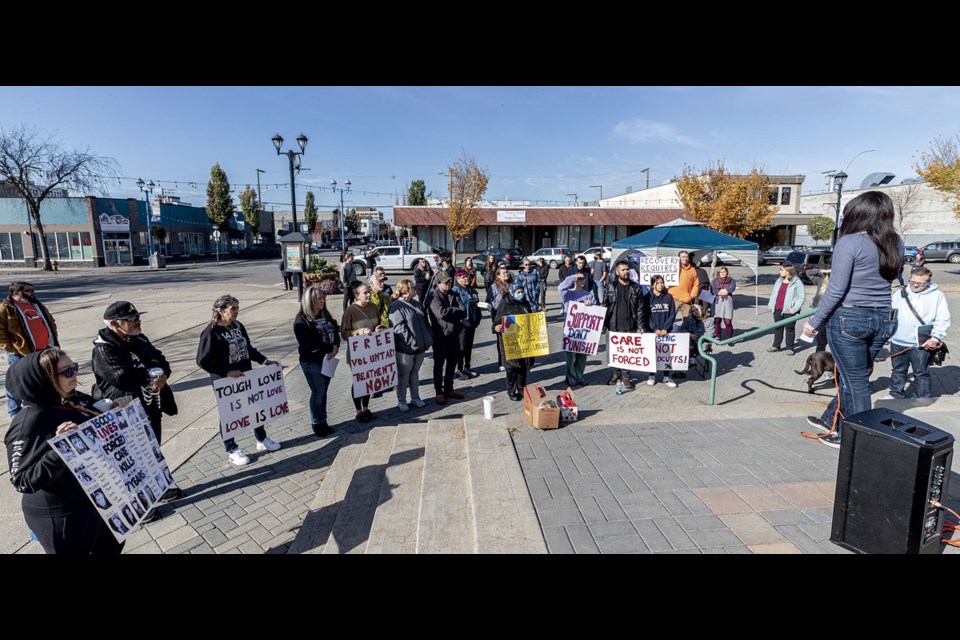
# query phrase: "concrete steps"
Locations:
[[447, 486]]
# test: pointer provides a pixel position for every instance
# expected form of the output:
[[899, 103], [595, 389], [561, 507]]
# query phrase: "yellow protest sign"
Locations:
[[525, 336]]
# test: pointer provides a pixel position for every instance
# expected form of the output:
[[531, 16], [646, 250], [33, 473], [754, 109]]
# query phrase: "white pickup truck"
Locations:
[[396, 258]]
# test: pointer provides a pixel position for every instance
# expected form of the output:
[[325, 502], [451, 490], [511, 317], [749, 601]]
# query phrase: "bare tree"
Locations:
[[27, 153], [906, 200]]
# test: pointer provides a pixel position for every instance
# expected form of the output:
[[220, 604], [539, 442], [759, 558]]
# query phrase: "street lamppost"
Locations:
[[343, 214], [838, 179], [147, 191], [291, 155], [574, 198], [646, 171], [598, 186]]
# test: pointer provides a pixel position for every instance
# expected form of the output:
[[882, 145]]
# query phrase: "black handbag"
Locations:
[[938, 355]]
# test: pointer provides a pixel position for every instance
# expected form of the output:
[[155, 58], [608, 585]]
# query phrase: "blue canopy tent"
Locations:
[[669, 238]]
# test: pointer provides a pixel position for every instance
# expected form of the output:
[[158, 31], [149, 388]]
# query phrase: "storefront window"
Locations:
[[69, 246], [11, 246], [117, 250]]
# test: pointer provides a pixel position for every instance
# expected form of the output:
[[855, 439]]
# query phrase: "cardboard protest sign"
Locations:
[[668, 267], [525, 336], [673, 352], [582, 328], [373, 362], [633, 351], [117, 460], [252, 401]]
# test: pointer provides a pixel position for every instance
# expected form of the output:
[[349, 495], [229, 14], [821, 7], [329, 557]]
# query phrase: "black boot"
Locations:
[[322, 429]]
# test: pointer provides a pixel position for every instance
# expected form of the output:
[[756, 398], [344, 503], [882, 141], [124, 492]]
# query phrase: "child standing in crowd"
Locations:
[[660, 320], [514, 303], [318, 337], [225, 351], [409, 323], [470, 298]]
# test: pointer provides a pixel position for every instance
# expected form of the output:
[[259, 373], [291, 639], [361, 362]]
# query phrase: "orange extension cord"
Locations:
[[949, 528]]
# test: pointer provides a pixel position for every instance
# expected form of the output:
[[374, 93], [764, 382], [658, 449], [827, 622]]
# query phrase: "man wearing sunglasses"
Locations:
[[25, 326], [122, 358]]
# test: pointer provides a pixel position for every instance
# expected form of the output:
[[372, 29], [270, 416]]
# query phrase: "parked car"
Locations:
[[395, 258], [910, 254], [588, 254], [512, 257], [804, 260], [776, 255], [723, 258], [949, 251], [553, 255]]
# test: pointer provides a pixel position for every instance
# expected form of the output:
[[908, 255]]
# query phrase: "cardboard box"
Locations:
[[536, 409], [569, 413]]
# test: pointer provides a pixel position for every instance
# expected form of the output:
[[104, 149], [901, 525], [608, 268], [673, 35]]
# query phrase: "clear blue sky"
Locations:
[[538, 143]]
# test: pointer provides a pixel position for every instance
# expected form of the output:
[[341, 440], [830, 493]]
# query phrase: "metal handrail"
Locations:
[[742, 336]]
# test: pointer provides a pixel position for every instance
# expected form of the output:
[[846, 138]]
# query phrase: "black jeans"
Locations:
[[778, 333], [466, 347], [516, 380], [446, 350], [76, 534]]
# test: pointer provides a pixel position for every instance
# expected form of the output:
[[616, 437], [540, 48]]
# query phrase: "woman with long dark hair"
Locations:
[[498, 290], [855, 310], [55, 504], [318, 337]]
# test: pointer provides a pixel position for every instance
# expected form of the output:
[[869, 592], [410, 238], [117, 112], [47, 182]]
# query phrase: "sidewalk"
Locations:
[[653, 470]]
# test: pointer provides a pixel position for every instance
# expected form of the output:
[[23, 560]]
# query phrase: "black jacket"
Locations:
[[448, 313], [544, 272], [36, 469], [120, 366], [421, 280], [314, 345], [223, 349], [636, 302]]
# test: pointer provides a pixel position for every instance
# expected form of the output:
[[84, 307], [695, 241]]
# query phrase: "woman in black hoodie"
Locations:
[[225, 351], [55, 505], [513, 303], [660, 317], [318, 337]]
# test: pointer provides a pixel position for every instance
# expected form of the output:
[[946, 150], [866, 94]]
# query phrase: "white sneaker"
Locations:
[[403, 406], [502, 369], [670, 383], [651, 381], [238, 457], [267, 445], [418, 403]]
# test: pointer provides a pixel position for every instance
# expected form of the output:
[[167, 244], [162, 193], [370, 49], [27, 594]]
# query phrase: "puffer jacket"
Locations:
[[409, 323]]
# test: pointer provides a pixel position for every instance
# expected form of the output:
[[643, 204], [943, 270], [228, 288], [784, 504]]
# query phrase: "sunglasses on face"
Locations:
[[71, 371]]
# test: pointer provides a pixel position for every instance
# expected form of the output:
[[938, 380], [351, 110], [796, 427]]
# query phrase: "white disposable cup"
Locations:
[[488, 407]]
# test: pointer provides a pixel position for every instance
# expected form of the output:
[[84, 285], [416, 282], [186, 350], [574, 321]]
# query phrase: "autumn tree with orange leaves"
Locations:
[[729, 203], [468, 183], [940, 167]]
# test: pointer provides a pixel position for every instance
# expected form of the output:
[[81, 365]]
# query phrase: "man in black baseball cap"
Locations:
[[122, 357]]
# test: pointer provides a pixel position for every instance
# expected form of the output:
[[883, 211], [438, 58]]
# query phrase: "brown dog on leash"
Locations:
[[817, 363]]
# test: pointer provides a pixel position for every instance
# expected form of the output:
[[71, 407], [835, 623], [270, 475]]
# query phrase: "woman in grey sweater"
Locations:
[[409, 324], [855, 310]]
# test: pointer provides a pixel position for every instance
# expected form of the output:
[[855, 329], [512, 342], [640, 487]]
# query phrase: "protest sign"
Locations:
[[525, 336], [117, 460], [673, 352], [252, 401], [633, 351], [582, 328], [668, 267], [373, 362]]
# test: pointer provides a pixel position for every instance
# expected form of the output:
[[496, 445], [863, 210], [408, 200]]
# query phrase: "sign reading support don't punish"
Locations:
[[252, 401]]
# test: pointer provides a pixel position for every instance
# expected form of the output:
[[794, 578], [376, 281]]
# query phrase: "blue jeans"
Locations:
[[919, 359], [318, 390], [856, 335], [13, 405]]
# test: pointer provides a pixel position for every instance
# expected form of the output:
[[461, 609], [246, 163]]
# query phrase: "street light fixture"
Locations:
[[838, 179], [146, 199], [343, 214], [598, 186], [291, 155], [574, 198]]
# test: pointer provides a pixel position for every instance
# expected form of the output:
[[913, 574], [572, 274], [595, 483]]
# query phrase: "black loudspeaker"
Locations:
[[891, 466]]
